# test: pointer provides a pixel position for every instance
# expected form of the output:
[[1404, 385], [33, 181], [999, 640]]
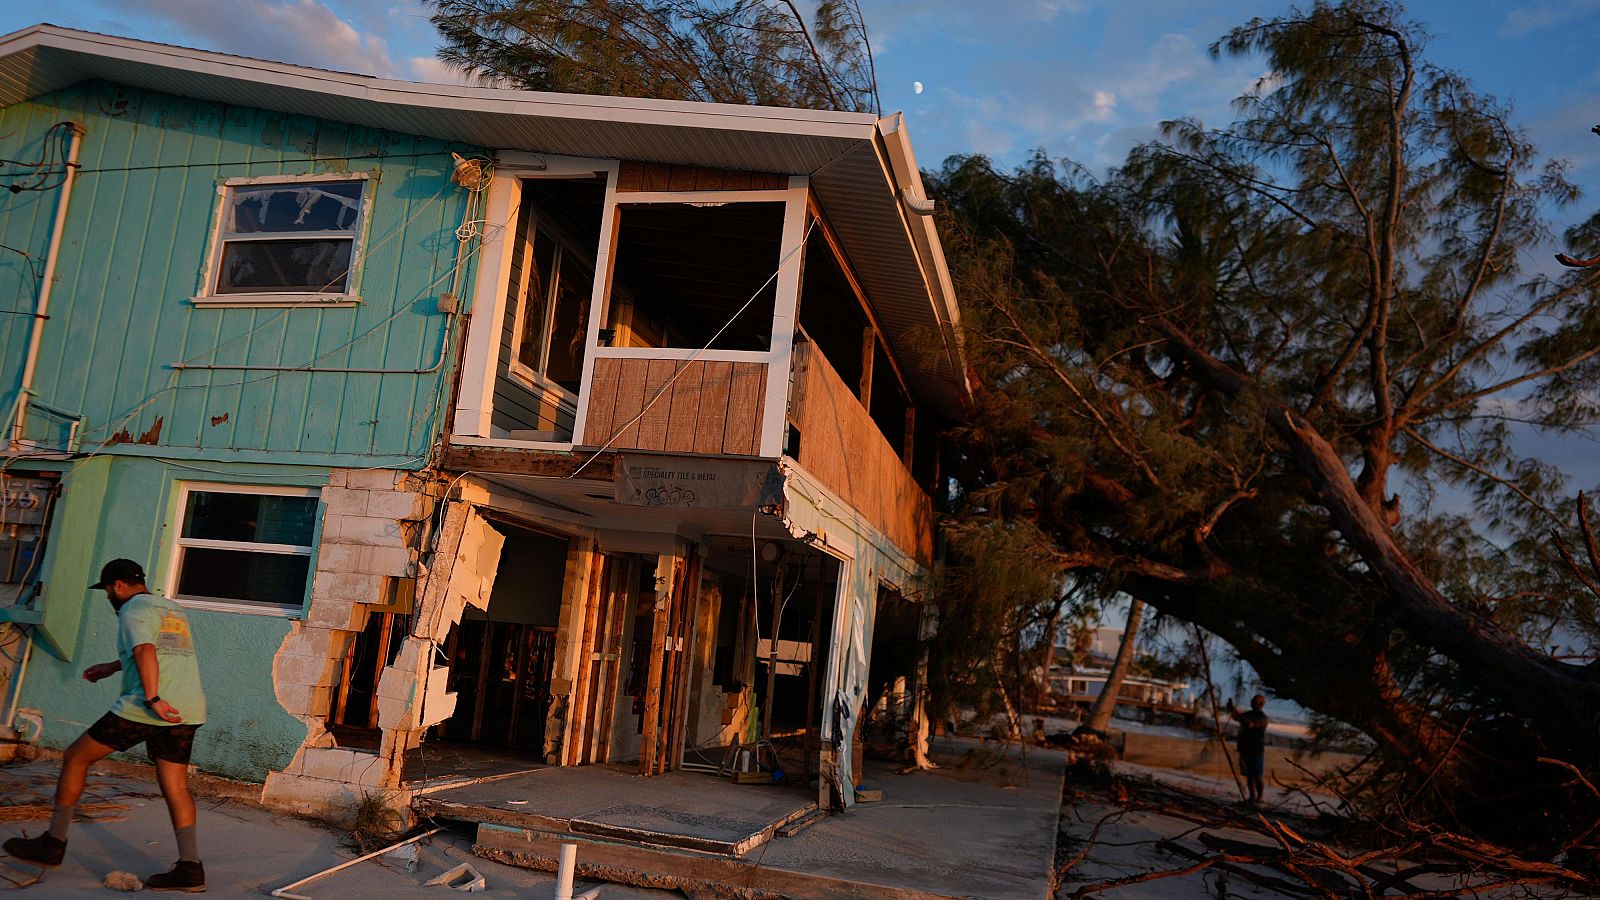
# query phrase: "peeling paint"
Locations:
[[153, 436], [218, 420]]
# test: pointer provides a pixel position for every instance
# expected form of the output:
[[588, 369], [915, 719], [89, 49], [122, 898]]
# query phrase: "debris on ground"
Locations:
[[461, 878], [1136, 826], [123, 881]]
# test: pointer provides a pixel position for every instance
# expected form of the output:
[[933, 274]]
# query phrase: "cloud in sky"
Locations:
[[432, 69], [306, 32], [1527, 19], [1090, 108]]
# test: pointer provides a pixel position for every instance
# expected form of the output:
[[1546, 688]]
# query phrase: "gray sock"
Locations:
[[60, 819], [188, 846]]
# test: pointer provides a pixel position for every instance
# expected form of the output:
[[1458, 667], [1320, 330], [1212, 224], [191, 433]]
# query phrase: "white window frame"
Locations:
[[180, 544], [536, 379], [350, 296]]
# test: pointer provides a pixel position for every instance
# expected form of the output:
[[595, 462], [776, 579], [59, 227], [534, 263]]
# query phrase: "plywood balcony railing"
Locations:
[[714, 406], [842, 447]]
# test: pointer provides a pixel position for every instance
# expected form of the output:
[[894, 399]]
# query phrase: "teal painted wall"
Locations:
[[134, 251], [247, 733]]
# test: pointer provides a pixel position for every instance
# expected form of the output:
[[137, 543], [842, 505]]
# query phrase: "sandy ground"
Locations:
[[248, 851]]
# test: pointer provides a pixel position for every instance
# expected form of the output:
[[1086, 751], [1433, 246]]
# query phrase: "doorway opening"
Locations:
[[353, 711], [763, 645], [887, 715], [501, 658]]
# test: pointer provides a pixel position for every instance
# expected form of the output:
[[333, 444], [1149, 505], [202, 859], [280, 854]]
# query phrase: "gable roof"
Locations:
[[860, 166]]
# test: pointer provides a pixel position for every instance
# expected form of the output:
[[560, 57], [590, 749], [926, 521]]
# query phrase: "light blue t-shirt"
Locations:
[[155, 620]]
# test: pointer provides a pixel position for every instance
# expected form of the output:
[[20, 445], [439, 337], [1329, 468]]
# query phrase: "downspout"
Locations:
[[895, 146], [16, 682], [41, 310]]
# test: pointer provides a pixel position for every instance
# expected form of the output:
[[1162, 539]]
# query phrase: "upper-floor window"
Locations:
[[286, 240], [558, 239], [551, 321]]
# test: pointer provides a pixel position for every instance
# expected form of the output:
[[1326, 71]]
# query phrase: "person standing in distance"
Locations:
[[1252, 744], [161, 705]]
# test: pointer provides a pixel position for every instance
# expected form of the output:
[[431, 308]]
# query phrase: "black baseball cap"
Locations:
[[119, 570]]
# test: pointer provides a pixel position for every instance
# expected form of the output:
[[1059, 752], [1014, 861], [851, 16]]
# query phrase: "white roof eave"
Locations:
[[44, 58]]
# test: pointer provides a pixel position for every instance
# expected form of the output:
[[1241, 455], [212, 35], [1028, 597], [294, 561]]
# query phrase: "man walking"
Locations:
[[1252, 743], [161, 706]]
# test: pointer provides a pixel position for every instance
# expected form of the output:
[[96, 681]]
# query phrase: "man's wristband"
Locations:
[[152, 701]]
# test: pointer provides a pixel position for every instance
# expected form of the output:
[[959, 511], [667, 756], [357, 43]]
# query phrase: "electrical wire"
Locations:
[[54, 145], [396, 311]]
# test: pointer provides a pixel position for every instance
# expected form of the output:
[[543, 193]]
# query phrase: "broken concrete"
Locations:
[[372, 532], [675, 831]]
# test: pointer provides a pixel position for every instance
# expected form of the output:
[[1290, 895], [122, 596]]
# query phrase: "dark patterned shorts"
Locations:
[[1254, 765], [172, 743]]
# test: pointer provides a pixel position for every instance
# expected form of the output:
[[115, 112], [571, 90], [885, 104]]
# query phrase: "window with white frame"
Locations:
[[245, 548], [558, 240], [294, 238]]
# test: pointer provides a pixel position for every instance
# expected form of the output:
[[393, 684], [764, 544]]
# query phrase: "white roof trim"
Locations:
[[899, 260], [681, 113]]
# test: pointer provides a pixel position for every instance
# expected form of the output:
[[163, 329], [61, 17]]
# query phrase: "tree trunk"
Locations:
[[1563, 699], [1013, 715], [1099, 718]]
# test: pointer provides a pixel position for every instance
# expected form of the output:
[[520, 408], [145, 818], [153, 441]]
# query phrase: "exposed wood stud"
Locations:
[[909, 441], [869, 347]]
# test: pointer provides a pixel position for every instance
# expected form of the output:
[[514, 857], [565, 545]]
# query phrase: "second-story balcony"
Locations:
[[723, 321]]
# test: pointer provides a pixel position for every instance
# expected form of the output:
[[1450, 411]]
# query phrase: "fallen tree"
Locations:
[[1209, 379], [1284, 853]]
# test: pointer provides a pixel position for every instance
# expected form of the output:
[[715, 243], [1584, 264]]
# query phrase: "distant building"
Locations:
[[1080, 678]]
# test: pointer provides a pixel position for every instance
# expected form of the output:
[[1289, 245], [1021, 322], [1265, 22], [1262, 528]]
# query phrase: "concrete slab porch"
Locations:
[[682, 809], [982, 825]]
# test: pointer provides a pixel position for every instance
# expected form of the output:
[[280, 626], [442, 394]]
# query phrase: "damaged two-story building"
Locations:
[[480, 429]]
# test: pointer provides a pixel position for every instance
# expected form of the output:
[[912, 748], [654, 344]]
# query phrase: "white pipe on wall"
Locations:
[[17, 676], [41, 310]]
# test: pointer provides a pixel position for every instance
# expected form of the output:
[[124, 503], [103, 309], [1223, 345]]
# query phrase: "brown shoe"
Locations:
[[185, 876]]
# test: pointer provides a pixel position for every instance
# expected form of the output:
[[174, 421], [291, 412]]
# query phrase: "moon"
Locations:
[[916, 87]]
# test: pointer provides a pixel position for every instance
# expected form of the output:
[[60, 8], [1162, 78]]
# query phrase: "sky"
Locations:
[[1081, 79]]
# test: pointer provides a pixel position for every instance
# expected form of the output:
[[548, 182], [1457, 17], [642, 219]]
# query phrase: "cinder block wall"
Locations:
[[375, 524]]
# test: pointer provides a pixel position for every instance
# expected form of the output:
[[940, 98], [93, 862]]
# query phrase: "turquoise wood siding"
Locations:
[[134, 250], [124, 512]]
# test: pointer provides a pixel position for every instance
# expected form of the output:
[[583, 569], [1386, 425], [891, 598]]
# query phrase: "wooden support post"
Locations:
[[658, 641], [671, 666], [869, 346], [386, 623], [620, 602], [579, 707], [519, 678], [340, 697], [687, 677], [483, 680], [772, 647], [909, 443]]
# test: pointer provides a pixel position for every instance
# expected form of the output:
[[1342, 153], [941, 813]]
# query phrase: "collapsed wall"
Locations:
[[375, 528]]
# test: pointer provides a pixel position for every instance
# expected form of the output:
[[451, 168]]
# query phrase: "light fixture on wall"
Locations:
[[468, 173]]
